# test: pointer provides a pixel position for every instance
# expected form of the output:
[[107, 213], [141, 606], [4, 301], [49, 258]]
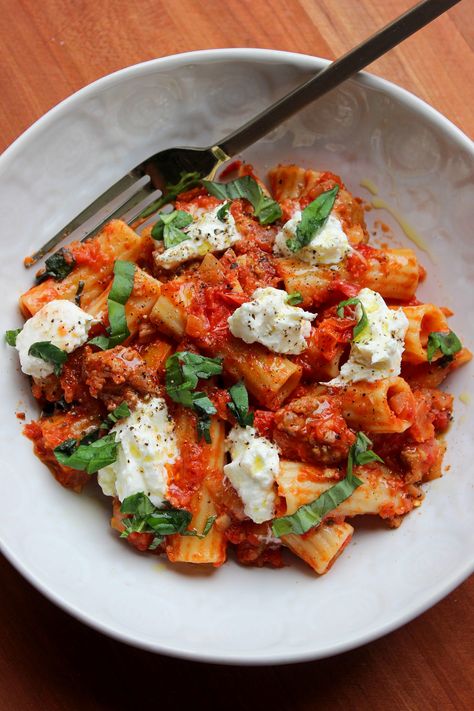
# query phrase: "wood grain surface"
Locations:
[[48, 50]]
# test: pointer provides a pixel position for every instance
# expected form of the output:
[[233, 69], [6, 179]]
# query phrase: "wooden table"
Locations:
[[51, 48]]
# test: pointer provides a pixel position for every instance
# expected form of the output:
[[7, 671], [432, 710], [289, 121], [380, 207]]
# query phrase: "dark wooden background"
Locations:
[[51, 48]]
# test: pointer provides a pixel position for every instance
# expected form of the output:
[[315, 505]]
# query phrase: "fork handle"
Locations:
[[334, 74]]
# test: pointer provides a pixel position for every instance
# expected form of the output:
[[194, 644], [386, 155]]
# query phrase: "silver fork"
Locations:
[[157, 180]]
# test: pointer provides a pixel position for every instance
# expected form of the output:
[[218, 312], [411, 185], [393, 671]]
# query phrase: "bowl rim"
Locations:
[[274, 57]]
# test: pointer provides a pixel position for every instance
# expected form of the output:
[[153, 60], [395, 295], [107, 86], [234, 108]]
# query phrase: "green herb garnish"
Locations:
[[10, 336], [49, 353], [239, 406], [169, 228], [119, 413], [448, 343], [294, 299], [362, 323], [183, 370], [223, 210], [122, 287], [147, 518], [57, 266], [310, 515], [171, 192], [265, 208], [313, 219], [88, 456]]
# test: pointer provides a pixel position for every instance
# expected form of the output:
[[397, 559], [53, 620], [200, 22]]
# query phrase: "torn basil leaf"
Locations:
[[57, 266], [184, 369], [169, 228], [10, 336], [362, 323], [310, 515], [204, 408], [294, 299], [222, 211], [266, 210], [313, 219], [185, 182], [122, 287], [119, 413], [49, 353], [90, 456], [239, 406], [448, 343], [148, 518]]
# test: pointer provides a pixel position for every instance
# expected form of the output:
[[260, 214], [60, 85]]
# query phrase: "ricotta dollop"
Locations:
[[255, 463], [62, 323], [376, 352], [207, 233], [329, 246], [147, 446], [268, 319]]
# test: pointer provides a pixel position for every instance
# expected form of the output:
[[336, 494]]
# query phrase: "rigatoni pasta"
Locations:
[[247, 372]]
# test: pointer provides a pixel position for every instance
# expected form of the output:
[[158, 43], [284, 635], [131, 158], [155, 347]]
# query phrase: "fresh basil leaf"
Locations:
[[49, 353], [313, 219], [310, 515], [294, 299], [122, 287], [239, 406], [79, 290], [222, 211], [67, 447], [265, 209], [89, 457], [183, 370], [203, 408], [157, 541], [168, 228], [10, 336], [166, 522], [119, 413], [186, 182], [138, 504], [448, 343], [57, 266], [148, 518], [360, 454], [362, 323], [207, 527]]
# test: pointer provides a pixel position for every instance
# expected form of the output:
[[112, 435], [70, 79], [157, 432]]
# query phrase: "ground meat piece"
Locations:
[[118, 374], [423, 460], [432, 414], [312, 429]]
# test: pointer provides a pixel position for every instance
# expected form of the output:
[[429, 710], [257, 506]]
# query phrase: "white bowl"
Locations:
[[61, 542]]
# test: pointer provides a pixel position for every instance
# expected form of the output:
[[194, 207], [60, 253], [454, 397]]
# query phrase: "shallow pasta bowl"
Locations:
[[367, 129]]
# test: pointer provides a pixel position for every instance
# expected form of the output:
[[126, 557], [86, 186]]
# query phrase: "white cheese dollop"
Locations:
[[271, 321], [252, 471], [376, 352], [329, 246], [62, 323], [147, 445], [207, 233]]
